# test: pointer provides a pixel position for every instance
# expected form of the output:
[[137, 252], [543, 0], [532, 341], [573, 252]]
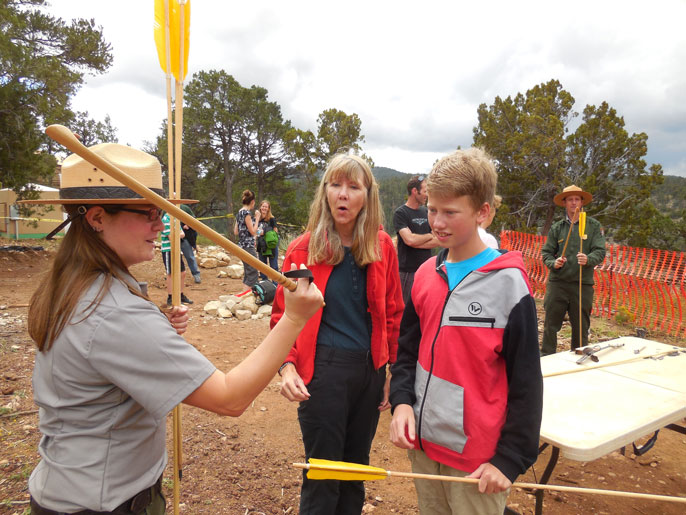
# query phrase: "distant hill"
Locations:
[[670, 196], [381, 172], [392, 192]]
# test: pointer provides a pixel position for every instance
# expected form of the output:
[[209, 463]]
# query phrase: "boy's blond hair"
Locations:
[[497, 201], [468, 172]]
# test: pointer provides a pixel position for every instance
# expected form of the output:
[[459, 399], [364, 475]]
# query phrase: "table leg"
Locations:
[[640, 451], [555, 454], [677, 428]]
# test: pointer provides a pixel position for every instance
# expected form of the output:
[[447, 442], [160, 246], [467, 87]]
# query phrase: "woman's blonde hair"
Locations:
[[269, 215], [80, 259], [325, 243]]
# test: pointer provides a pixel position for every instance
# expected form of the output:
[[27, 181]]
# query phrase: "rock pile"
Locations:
[[240, 308], [214, 257], [244, 307]]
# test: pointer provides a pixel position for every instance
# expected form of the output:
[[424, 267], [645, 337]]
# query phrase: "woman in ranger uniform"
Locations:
[[110, 364]]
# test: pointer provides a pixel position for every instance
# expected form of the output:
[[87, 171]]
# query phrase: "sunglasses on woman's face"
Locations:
[[153, 214]]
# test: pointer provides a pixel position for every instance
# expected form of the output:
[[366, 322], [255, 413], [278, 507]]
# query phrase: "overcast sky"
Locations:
[[415, 72]]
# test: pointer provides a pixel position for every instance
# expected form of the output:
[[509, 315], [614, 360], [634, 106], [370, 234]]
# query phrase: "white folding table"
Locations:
[[595, 411]]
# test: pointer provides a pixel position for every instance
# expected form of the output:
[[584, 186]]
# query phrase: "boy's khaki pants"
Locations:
[[444, 497]]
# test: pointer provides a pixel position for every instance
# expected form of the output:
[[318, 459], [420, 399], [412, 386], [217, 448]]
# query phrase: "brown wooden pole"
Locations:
[[605, 365], [175, 192], [65, 137], [581, 321], [571, 226], [555, 488], [178, 148], [175, 261], [534, 486]]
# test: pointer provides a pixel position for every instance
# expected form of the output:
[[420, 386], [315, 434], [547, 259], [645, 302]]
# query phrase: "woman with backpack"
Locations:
[[268, 238]]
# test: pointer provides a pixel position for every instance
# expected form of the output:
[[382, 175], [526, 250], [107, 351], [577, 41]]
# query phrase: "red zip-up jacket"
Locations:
[[468, 362], [384, 297]]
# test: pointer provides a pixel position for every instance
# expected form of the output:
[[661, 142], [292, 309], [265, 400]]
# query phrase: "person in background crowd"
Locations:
[[467, 389], [246, 229], [337, 368], [268, 244], [415, 240], [562, 287], [188, 246], [486, 237], [167, 260], [110, 365]]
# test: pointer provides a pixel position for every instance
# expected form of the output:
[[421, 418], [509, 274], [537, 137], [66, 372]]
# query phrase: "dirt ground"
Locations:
[[244, 465]]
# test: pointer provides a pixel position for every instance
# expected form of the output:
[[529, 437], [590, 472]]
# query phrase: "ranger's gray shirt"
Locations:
[[104, 389]]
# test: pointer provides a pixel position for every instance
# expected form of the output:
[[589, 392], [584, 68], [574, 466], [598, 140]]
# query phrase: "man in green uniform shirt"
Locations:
[[562, 290]]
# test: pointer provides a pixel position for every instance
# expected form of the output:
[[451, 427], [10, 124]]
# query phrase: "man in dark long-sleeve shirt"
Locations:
[[562, 289]]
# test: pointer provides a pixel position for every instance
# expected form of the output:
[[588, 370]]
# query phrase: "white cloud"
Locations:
[[415, 73]]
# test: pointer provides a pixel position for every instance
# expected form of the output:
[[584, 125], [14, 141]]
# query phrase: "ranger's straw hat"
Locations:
[[83, 183], [586, 197]]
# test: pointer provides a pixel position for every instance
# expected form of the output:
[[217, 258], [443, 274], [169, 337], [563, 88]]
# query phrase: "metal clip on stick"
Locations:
[[611, 346], [590, 352], [587, 353]]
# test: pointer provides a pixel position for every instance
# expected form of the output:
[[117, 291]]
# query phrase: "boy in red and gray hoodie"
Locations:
[[466, 389]]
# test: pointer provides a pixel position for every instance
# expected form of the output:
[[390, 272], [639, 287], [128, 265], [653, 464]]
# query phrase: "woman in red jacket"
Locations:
[[337, 367]]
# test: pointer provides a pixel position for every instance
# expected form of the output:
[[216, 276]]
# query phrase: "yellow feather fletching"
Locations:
[[343, 471], [582, 224], [174, 35]]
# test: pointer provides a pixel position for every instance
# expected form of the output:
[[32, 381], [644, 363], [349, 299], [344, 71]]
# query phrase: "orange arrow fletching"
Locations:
[[343, 471], [174, 35], [582, 223]]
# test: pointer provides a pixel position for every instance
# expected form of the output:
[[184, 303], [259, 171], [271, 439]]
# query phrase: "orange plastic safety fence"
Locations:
[[646, 285]]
